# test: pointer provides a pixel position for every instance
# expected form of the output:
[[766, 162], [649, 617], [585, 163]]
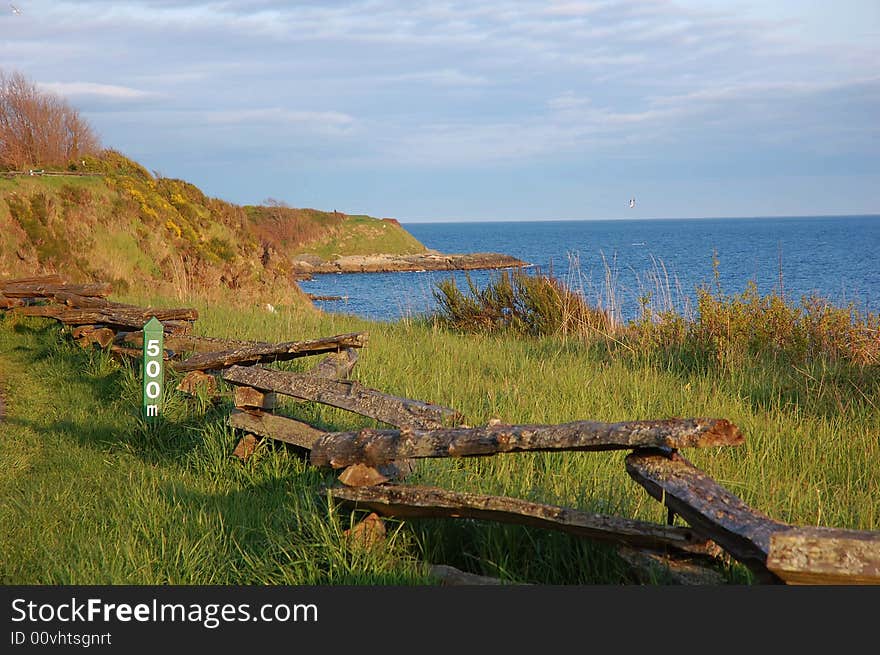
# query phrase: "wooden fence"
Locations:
[[374, 463]]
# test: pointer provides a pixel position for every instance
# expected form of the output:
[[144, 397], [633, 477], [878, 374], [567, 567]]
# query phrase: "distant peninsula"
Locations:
[[430, 260], [359, 244]]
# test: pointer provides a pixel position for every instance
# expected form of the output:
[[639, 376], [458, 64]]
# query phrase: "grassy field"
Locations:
[[91, 495], [364, 235]]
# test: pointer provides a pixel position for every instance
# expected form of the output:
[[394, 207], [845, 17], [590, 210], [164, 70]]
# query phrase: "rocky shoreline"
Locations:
[[305, 266]]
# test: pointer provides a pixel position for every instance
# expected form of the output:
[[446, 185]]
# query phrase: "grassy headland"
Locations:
[[111, 220]]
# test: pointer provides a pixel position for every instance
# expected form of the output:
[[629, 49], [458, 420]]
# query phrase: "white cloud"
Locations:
[[440, 77], [111, 91], [574, 8], [276, 115]]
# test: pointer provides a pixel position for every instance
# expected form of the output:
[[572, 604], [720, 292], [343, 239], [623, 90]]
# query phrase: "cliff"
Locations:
[[110, 220]]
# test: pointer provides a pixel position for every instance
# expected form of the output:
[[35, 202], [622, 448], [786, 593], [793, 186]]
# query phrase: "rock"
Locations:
[[427, 261]]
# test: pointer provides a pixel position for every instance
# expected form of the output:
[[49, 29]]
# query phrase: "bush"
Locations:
[[727, 331], [527, 304]]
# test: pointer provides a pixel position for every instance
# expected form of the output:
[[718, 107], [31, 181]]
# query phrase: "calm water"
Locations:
[[835, 257]]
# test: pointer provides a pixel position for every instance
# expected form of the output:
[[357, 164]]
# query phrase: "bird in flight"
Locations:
[[15, 10], [632, 203]]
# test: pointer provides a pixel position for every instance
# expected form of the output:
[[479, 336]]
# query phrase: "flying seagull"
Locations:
[[15, 10], [632, 203]]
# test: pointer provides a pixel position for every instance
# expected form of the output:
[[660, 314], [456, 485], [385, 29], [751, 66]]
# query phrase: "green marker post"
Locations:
[[154, 334]]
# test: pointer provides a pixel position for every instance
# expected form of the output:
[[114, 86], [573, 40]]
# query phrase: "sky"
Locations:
[[477, 111]]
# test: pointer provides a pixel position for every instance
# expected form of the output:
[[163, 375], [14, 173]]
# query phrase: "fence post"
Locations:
[[152, 371]]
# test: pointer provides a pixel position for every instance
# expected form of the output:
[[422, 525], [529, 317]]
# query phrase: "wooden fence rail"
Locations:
[[721, 526], [345, 394], [411, 501], [373, 447]]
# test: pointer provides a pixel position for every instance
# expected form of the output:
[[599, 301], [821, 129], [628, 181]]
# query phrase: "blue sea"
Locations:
[[615, 262]]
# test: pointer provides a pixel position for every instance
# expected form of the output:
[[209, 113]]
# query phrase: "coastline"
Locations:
[[388, 263]]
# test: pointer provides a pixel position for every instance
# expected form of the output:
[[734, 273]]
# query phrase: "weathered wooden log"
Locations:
[[336, 366], [46, 311], [103, 337], [651, 567], [361, 475], [109, 316], [82, 330], [405, 501], [272, 352], [248, 397], [47, 290], [198, 383], [366, 535], [134, 353], [711, 509], [372, 447], [188, 343], [333, 365], [246, 446], [177, 328], [450, 576], [49, 278], [345, 394], [273, 426], [76, 301], [807, 555]]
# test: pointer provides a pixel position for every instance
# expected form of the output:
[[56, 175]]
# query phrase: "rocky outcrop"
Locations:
[[428, 261]]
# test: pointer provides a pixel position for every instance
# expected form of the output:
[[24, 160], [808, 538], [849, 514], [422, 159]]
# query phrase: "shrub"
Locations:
[[727, 331], [527, 304]]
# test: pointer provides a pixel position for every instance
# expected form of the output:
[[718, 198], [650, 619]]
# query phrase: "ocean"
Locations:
[[615, 262]]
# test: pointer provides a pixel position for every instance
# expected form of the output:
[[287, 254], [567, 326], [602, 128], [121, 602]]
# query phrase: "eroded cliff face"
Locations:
[[120, 224]]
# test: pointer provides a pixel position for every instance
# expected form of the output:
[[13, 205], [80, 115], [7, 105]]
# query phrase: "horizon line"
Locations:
[[641, 218]]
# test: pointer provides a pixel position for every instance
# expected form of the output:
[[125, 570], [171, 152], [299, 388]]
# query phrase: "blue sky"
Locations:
[[479, 110]]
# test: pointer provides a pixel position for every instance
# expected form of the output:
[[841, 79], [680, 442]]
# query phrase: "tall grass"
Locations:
[[725, 330], [90, 494], [520, 303]]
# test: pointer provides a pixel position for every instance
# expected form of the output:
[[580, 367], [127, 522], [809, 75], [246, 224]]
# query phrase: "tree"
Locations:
[[39, 128]]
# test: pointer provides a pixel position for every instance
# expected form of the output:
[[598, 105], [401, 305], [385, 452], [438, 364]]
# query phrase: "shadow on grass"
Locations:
[[282, 531]]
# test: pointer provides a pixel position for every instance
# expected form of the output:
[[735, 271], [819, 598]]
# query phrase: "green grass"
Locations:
[[365, 235], [55, 182], [91, 495]]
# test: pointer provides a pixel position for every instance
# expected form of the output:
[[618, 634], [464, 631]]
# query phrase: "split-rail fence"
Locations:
[[374, 463]]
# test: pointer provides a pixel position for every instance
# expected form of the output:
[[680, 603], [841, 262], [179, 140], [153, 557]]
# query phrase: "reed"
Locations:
[[723, 330]]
